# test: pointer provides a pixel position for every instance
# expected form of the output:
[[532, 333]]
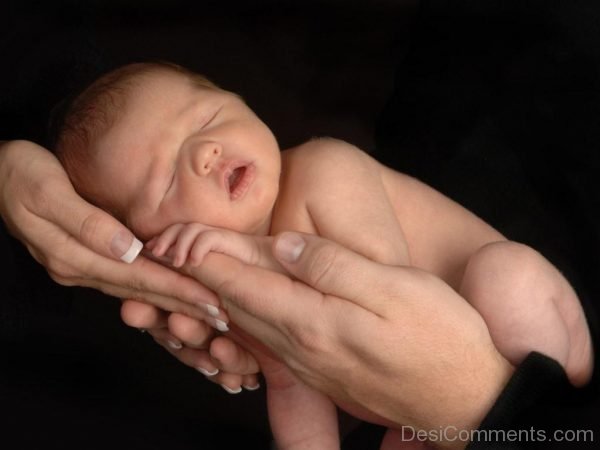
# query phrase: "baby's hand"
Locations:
[[189, 243]]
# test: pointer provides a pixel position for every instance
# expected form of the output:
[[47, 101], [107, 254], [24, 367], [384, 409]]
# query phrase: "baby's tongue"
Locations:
[[235, 177]]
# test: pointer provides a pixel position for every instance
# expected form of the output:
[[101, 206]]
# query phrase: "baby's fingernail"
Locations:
[[212, 310], [151, 243], [126, 246], [206, 372], [289, 246], [175, 345], [217, 324], [232, 391], [251, 388]]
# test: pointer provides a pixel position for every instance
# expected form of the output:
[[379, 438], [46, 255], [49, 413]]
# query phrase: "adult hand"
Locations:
[[394, 344], [196, 345], [80, 244]]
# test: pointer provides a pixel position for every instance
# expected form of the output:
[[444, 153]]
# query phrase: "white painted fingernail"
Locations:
[[174, 345], [232, 391], [212, 310], [251, 388], [217, 324], [131, 252], [207, 373], [221, 326]]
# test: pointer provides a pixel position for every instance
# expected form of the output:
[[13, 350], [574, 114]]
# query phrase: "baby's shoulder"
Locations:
[[326, 157]]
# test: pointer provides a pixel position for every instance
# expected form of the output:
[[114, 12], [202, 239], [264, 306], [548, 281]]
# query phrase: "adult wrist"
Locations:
[[486, 384]]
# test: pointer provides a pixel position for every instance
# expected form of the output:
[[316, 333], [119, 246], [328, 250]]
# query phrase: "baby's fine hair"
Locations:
[[96, 109]]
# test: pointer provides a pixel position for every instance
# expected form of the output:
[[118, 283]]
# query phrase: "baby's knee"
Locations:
[[507, 260], [509, 270]]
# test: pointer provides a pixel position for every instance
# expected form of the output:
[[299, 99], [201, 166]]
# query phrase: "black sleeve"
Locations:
[[539, 408]]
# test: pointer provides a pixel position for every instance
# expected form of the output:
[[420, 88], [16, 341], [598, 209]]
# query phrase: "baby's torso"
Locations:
[[440, 234]]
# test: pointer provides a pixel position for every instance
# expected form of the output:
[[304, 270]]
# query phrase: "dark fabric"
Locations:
[[497, 105]]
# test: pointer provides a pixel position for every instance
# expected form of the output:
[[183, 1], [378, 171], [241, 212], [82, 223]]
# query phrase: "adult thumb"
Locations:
[[329, 268]]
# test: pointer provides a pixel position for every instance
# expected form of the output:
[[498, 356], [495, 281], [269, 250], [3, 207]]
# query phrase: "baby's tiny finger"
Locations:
[[184, 243], [166, 239], [151, 243]]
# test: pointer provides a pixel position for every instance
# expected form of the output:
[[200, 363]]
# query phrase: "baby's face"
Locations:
[[181, 153]]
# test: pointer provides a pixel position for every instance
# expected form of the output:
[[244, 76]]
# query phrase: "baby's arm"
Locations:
[[190, 243], [301, 418]]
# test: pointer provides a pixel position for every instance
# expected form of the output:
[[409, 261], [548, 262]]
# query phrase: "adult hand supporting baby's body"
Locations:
[[388, 344], [78, 243]]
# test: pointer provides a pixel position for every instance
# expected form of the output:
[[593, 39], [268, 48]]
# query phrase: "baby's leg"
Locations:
[[301, 418], [528, 305]]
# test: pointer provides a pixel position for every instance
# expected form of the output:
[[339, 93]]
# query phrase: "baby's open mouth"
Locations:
[[234, 179], [239, 180]]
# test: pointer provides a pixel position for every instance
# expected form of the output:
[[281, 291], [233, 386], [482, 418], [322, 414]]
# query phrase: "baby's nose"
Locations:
[[205, 157]]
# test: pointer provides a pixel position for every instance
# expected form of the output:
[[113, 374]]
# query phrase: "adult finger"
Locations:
[[257, 299], [164, 303], [230, 357], [141, 315], [197, 359], [335, 270], [140, 279], [192, 332], [91, 226]]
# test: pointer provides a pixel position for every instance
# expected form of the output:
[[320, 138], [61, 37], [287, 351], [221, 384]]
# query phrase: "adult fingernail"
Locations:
[[174, 344], [206, 372], [126, 246], [289, 247], [232, 391], [217, 324], [212, 310], [251, 388]]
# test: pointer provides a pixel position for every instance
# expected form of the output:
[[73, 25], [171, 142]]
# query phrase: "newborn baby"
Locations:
[[173, 156]]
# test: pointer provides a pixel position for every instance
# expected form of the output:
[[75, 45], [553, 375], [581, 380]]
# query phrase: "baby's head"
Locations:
[[155, 144]]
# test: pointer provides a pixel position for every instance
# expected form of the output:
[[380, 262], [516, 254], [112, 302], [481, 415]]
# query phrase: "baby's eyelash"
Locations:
[[172, 181], [213, 117]]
